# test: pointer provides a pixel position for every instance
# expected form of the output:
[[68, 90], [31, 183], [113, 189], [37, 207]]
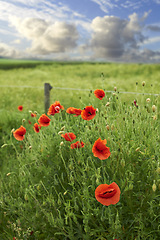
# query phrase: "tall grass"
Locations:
[[47, 189]]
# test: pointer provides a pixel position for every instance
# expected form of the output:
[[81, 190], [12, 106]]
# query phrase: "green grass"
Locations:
[[47, 188]]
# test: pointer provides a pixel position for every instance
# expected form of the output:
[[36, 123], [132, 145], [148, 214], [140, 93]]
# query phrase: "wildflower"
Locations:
[[69, 136], [135, 103], [55, 108], [107, 104], [153, 108], [19, 133], [99, 93], [33, 115], [20, 108], [77, 145], [154, 187], [88, 113], [36, 127], [108, 194], [100, 149], [148, 100], [44, 120], [72, 110]]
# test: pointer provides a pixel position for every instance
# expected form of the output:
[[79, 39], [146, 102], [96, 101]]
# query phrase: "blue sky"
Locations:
[[89, 30]]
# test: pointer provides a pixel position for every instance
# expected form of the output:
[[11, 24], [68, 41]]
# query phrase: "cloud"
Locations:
[[113, 36], [47, 37], [153, 28], [8, 51], [105, 5]]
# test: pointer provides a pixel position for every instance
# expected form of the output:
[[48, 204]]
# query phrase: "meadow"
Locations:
[[47, 186]]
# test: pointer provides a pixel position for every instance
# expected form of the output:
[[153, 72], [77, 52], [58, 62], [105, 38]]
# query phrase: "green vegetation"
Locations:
[[47, 189]]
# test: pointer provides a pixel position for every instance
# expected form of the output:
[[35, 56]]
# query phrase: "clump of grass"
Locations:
[[47, 189]]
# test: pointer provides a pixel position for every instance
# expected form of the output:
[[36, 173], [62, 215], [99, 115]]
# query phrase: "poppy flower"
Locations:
[[77, 145], [88, 113], [44, 120], [36, 127], [33, 115], [108, 194], [69, 136], [72, 110], [100, 149], [55, 108], [99, 93], [20, 108], [19, 133]]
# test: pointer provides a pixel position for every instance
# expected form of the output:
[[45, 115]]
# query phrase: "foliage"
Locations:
[[47, 189]]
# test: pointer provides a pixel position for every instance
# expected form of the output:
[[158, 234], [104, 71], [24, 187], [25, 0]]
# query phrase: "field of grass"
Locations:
[[47, 189]]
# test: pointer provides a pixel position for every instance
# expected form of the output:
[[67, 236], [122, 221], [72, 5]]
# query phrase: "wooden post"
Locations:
[[47, 88]]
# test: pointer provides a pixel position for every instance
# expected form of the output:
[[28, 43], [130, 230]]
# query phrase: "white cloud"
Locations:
[[47, 37], [105, 5], [8, 51]]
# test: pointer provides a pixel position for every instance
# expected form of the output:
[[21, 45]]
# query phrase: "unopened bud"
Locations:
[[60, 132], [148, 100], [154, 187], [143, 83], [62, 129], [30, 111], [8, 174], [97, 110], [115, 89], [114, 94], [107, 104], [137, 149], [112, 127], [23, 120], [153, 108], [12, 130], [35, 112], [30, 147], [61, 143], [107, 127]]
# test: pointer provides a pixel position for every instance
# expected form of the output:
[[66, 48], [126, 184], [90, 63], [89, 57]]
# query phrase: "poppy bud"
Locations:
[[143, 83], [107, 127], [23, 120], [62, 129], [8, 174], [114, 94], [107, 104], [153, 108], [12, 130], [154, 187], [115, 89], [30, 147], [148, 100], [30, 111], [112, 127], [137, 149], [61, 143], [155, 117], [97, 110], [35, 112], [60, 132]]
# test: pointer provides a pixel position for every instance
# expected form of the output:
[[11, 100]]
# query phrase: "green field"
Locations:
[[47, 189]]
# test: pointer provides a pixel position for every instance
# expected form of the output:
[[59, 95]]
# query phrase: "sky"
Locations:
[[81, 30]]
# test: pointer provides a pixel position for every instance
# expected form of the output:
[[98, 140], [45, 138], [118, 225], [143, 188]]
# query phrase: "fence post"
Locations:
[[47, 88]]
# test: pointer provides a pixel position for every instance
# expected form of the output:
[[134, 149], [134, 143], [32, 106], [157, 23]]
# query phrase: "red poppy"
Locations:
[[36, 127], [44, 120], [99, 93], [108, 194], [20, 108], [88, 113], [72, 110], [55, 108], [100, 149], [33, 115], [69, 136], [77, 145], [19, 133]]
